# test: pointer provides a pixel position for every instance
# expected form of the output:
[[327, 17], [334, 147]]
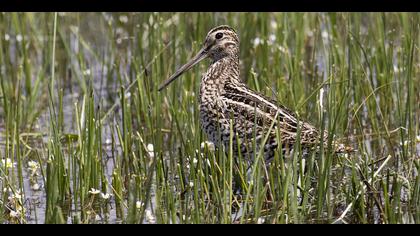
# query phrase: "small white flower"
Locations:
[[282, 49], [19, 37], [260, 220], [108, 141], [6, 37], [209, 145], [324, 34], [7, 163], [106, 195], [271, 39], [195, 161], [150, 147], [191, 184], [86, 72], [97, 218], [123, 19], [139, 204], [257, 41], [273, 24], [94, 191], [33, 165], [35, 187], [150, 150]]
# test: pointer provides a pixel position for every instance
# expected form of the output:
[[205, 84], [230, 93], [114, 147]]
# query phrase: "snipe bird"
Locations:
[[225, 98]]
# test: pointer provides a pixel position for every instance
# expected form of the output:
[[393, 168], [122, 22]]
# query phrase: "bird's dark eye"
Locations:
[[219, 35]]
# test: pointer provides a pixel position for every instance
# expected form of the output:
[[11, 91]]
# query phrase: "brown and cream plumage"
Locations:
[[224, 98]]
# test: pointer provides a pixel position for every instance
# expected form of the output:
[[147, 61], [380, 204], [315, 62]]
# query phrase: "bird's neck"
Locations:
[[222, 70]]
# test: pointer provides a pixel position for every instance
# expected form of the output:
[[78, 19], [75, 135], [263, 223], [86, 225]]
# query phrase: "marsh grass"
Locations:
[[78, 95]]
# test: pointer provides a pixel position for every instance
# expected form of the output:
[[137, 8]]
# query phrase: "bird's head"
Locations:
[[221, 42]]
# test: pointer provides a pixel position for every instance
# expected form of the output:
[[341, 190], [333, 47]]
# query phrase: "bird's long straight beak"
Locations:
[[202, 54]]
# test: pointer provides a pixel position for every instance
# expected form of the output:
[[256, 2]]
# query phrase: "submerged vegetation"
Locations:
[[85, 137]]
